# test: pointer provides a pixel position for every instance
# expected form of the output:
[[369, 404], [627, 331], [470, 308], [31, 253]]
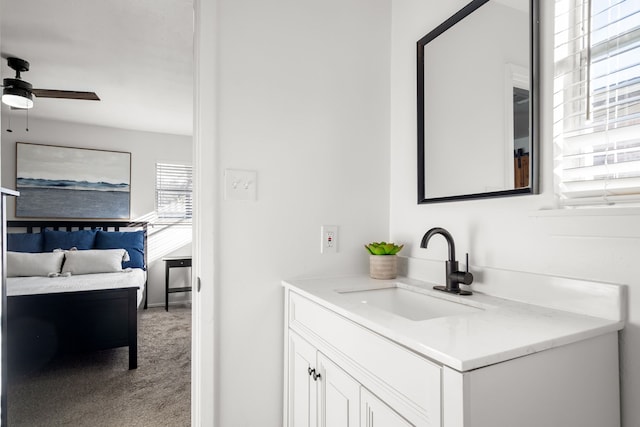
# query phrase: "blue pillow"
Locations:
[[24, 242], [132, 241], [80, 239]]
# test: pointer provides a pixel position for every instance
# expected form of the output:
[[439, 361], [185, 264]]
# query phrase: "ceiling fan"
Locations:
[[18, 93]]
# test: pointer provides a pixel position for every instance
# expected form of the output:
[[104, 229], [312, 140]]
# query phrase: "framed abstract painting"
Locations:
[[68, 182]]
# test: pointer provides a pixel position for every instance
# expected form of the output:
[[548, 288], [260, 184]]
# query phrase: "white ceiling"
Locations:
[[136, 55]]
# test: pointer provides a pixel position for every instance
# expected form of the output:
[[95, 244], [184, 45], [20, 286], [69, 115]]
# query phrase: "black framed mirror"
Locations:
[[477, 99]]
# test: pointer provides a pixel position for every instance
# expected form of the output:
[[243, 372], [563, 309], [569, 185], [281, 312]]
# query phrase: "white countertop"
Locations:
[[501, 330]]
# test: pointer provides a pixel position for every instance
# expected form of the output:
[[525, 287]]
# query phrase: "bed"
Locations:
[[73, 305]]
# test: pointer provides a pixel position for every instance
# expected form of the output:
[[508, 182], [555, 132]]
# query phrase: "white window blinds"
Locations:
[[174, 185], [597, 101]]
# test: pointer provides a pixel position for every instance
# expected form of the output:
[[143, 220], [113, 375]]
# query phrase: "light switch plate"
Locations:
[[240, 184]]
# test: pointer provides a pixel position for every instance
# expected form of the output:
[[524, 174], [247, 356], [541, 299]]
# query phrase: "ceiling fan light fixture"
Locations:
[[17, 94], [17, 101]]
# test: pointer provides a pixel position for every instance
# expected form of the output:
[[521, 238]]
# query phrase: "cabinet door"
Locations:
[[338, 396], [302, 387], [375, 413]]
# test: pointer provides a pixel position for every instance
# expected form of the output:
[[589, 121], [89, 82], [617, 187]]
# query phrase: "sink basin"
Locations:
[[407, 303]]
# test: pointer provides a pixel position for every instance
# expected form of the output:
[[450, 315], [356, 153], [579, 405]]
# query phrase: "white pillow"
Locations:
[[33, 264], [93, 261]]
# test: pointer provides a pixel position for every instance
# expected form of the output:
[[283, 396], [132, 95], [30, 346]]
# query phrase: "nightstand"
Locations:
[[169, 263]]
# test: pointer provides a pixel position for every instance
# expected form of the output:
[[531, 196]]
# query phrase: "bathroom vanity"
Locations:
[[364, 352]]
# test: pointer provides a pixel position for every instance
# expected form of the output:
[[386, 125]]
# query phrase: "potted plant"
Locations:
[[383, 262]]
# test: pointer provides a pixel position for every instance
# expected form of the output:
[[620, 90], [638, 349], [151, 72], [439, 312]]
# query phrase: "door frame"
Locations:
[[204, 356]]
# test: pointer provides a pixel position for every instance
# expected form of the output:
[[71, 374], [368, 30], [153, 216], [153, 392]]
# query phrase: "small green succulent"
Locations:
[[383, 248]]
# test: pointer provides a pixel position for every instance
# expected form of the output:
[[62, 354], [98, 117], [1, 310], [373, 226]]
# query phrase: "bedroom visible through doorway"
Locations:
[[138, 57]]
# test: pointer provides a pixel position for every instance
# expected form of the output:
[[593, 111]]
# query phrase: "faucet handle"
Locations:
[[468, 277], [464, 277]]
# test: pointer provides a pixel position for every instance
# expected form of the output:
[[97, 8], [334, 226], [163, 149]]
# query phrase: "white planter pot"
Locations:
[[383, 266]]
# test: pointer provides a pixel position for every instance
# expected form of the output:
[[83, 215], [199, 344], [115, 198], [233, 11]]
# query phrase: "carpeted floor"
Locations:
[[98, 390]]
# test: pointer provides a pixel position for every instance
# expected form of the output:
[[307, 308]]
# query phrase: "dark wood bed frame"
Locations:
[[46, 325]]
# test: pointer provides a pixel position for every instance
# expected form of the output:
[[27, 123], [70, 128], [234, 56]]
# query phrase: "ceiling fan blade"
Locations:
[[66, 94]]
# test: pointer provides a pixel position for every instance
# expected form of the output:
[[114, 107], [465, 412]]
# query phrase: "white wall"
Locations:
[[303, 100], [146, 150], [509, 233]]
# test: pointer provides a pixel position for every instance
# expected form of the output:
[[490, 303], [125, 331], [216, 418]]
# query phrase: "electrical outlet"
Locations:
[[329, 239]]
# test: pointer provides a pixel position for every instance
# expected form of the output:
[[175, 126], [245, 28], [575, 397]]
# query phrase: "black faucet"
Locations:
[[453, 276]]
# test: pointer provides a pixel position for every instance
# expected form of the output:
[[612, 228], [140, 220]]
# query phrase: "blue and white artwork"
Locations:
[[66, 182]]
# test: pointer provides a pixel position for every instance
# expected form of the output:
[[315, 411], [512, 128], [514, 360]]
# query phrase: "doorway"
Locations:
[[51, 121]]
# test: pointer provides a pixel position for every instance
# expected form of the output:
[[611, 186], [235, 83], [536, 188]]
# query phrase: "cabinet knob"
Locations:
[[312, 372]]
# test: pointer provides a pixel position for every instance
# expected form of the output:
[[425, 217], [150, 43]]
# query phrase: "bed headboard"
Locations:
[[36, 226]]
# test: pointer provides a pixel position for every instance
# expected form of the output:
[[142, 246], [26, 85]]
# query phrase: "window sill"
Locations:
[[167, 223], [591, 211], [607, 223]]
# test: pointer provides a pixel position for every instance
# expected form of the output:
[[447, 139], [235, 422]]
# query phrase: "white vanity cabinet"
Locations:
[[375, 413], [322, 394], [338, 397], [332, 345], [301, 407], [344, 369]]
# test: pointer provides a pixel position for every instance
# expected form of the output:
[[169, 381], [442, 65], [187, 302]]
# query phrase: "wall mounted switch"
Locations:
[[240, 184], [329, 239]]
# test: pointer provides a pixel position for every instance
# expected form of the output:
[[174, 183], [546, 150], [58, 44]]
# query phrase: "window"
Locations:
[[174, 185], [597, 101]]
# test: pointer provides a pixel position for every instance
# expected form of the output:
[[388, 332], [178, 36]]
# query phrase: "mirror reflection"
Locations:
[[475, 104]]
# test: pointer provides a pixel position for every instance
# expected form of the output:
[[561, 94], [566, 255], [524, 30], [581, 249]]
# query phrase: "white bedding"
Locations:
[[32, 285]]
